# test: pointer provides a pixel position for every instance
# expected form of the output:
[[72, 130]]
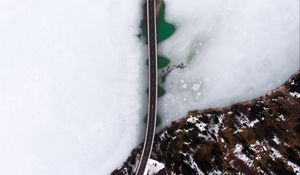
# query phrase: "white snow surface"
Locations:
[[235, 50], [153, 167], [70, 85]]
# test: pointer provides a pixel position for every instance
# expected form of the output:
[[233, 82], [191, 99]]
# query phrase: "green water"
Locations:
[[160, 91], [158, 119], [162, 62], [164, 31]]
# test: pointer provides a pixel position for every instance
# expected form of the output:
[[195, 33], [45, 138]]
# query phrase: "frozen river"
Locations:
[[73, 74], [70, 85], [234, 51]]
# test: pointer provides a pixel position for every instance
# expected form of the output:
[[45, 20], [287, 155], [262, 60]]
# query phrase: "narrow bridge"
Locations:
[[152, 99]]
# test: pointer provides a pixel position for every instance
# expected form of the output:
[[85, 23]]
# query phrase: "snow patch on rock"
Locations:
[[153, 167]]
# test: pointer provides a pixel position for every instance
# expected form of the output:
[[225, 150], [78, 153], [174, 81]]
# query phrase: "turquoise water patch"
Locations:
[[164, 31]]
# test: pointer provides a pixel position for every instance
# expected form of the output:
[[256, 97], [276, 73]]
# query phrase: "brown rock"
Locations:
[[261, 136]]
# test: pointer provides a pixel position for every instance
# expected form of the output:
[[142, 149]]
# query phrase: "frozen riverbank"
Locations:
[[260, 136]]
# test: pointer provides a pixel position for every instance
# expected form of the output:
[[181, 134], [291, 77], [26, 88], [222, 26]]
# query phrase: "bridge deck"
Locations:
[[152, 99]]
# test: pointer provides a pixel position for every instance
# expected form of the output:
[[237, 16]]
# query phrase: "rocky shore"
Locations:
[[261, 136]]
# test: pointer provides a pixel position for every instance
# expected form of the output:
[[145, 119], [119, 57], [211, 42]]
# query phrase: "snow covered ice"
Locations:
[[234, 51], [70, 85], [72, 80]]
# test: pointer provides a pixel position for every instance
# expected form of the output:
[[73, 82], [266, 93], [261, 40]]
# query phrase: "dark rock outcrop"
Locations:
[[261, 136]]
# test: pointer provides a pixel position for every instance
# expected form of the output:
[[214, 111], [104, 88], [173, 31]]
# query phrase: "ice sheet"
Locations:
[[70, 85], [235, 50]]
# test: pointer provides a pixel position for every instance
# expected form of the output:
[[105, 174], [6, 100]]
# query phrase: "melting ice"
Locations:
[[234, 51]]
